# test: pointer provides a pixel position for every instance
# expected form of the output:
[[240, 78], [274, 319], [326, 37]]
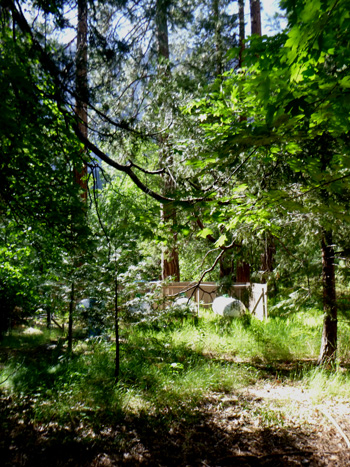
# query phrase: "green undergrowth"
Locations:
[[166, 371]]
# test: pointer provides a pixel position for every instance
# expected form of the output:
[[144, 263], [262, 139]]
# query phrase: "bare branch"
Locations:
[[148, 172]]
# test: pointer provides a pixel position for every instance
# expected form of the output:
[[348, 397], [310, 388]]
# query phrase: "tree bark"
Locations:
[[242, 267], [241, 31], [255, 17], [170, 264], [330, 321], [70, 320], [170, 256], [267, 259], [81, 87], [218, 38], [162, 30], [117, 353], [243, 272]]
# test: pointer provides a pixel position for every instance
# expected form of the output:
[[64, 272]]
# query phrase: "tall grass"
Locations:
[[324, 384], [278, 338]]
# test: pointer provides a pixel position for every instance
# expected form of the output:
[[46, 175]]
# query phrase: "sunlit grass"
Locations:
[[323, 384]]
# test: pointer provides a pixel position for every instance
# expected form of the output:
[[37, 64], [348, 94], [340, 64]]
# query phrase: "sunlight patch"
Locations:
[[33, 332]]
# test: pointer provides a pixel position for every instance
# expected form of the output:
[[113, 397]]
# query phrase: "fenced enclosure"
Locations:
[[253, 295]]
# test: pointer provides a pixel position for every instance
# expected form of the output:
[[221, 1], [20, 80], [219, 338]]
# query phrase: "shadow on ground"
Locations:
[[225, 429], [157, 441]]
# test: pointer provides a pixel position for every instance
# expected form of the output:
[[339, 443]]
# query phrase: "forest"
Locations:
[[151, 151]]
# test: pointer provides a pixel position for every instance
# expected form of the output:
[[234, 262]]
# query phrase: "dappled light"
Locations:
[[174, 233], [184, 397]]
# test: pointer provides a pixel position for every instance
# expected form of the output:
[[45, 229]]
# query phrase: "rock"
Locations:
[[228, 306]]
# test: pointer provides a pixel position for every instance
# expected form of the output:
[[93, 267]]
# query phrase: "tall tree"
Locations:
[[243, 268], [219, 52], [241, 31], [81, 107], [295, 96], [170, 255], [81, 110], [255, 17], [329, 333]]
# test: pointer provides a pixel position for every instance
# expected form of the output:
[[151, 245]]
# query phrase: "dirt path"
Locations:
[[279, 425], [268, 425]]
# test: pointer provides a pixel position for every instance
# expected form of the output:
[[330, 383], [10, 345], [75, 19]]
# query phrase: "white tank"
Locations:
[[228, 306]]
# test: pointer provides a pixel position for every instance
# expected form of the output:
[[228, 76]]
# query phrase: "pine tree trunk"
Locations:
[[218, 38], [241, 31], [243, 268], [170, 263], [162, 30], [170, 257], [82, 86], [330, 322], [255, 17], [70, 320], [116, 317]]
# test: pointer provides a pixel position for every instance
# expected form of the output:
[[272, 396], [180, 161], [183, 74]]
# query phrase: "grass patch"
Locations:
[[166, 371], [325, 384], [192, 384]]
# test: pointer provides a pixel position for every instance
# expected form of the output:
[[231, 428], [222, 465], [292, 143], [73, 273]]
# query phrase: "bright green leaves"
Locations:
[[311, 11], [290, 105], [345, 82], [205, 232]]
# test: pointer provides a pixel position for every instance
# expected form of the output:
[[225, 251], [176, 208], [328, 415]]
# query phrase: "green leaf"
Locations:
[[345, 82], [221, 240], [204, 233]]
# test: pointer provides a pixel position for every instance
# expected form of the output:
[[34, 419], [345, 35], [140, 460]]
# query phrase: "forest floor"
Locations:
[[271, 423]]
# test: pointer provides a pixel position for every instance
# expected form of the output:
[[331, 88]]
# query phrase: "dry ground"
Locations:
[[270, 424]]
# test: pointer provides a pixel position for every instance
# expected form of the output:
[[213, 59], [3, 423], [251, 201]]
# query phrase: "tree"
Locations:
[[82, 84], [291, 98], [329, 334], [255, 17], [170, 256], [37, 186], [292, 89], [241, 30]]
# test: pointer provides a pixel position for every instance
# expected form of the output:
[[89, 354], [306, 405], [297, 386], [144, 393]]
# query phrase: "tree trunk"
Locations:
[[241, 31], [170, 264], [81, 87], [162, 30], [218, 38], [117, 354], [330, 322], [70, 320], [243, 272], [226, 267], [48, 317], [170, 256], [243, 268], [267, 259], [255, 17]]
